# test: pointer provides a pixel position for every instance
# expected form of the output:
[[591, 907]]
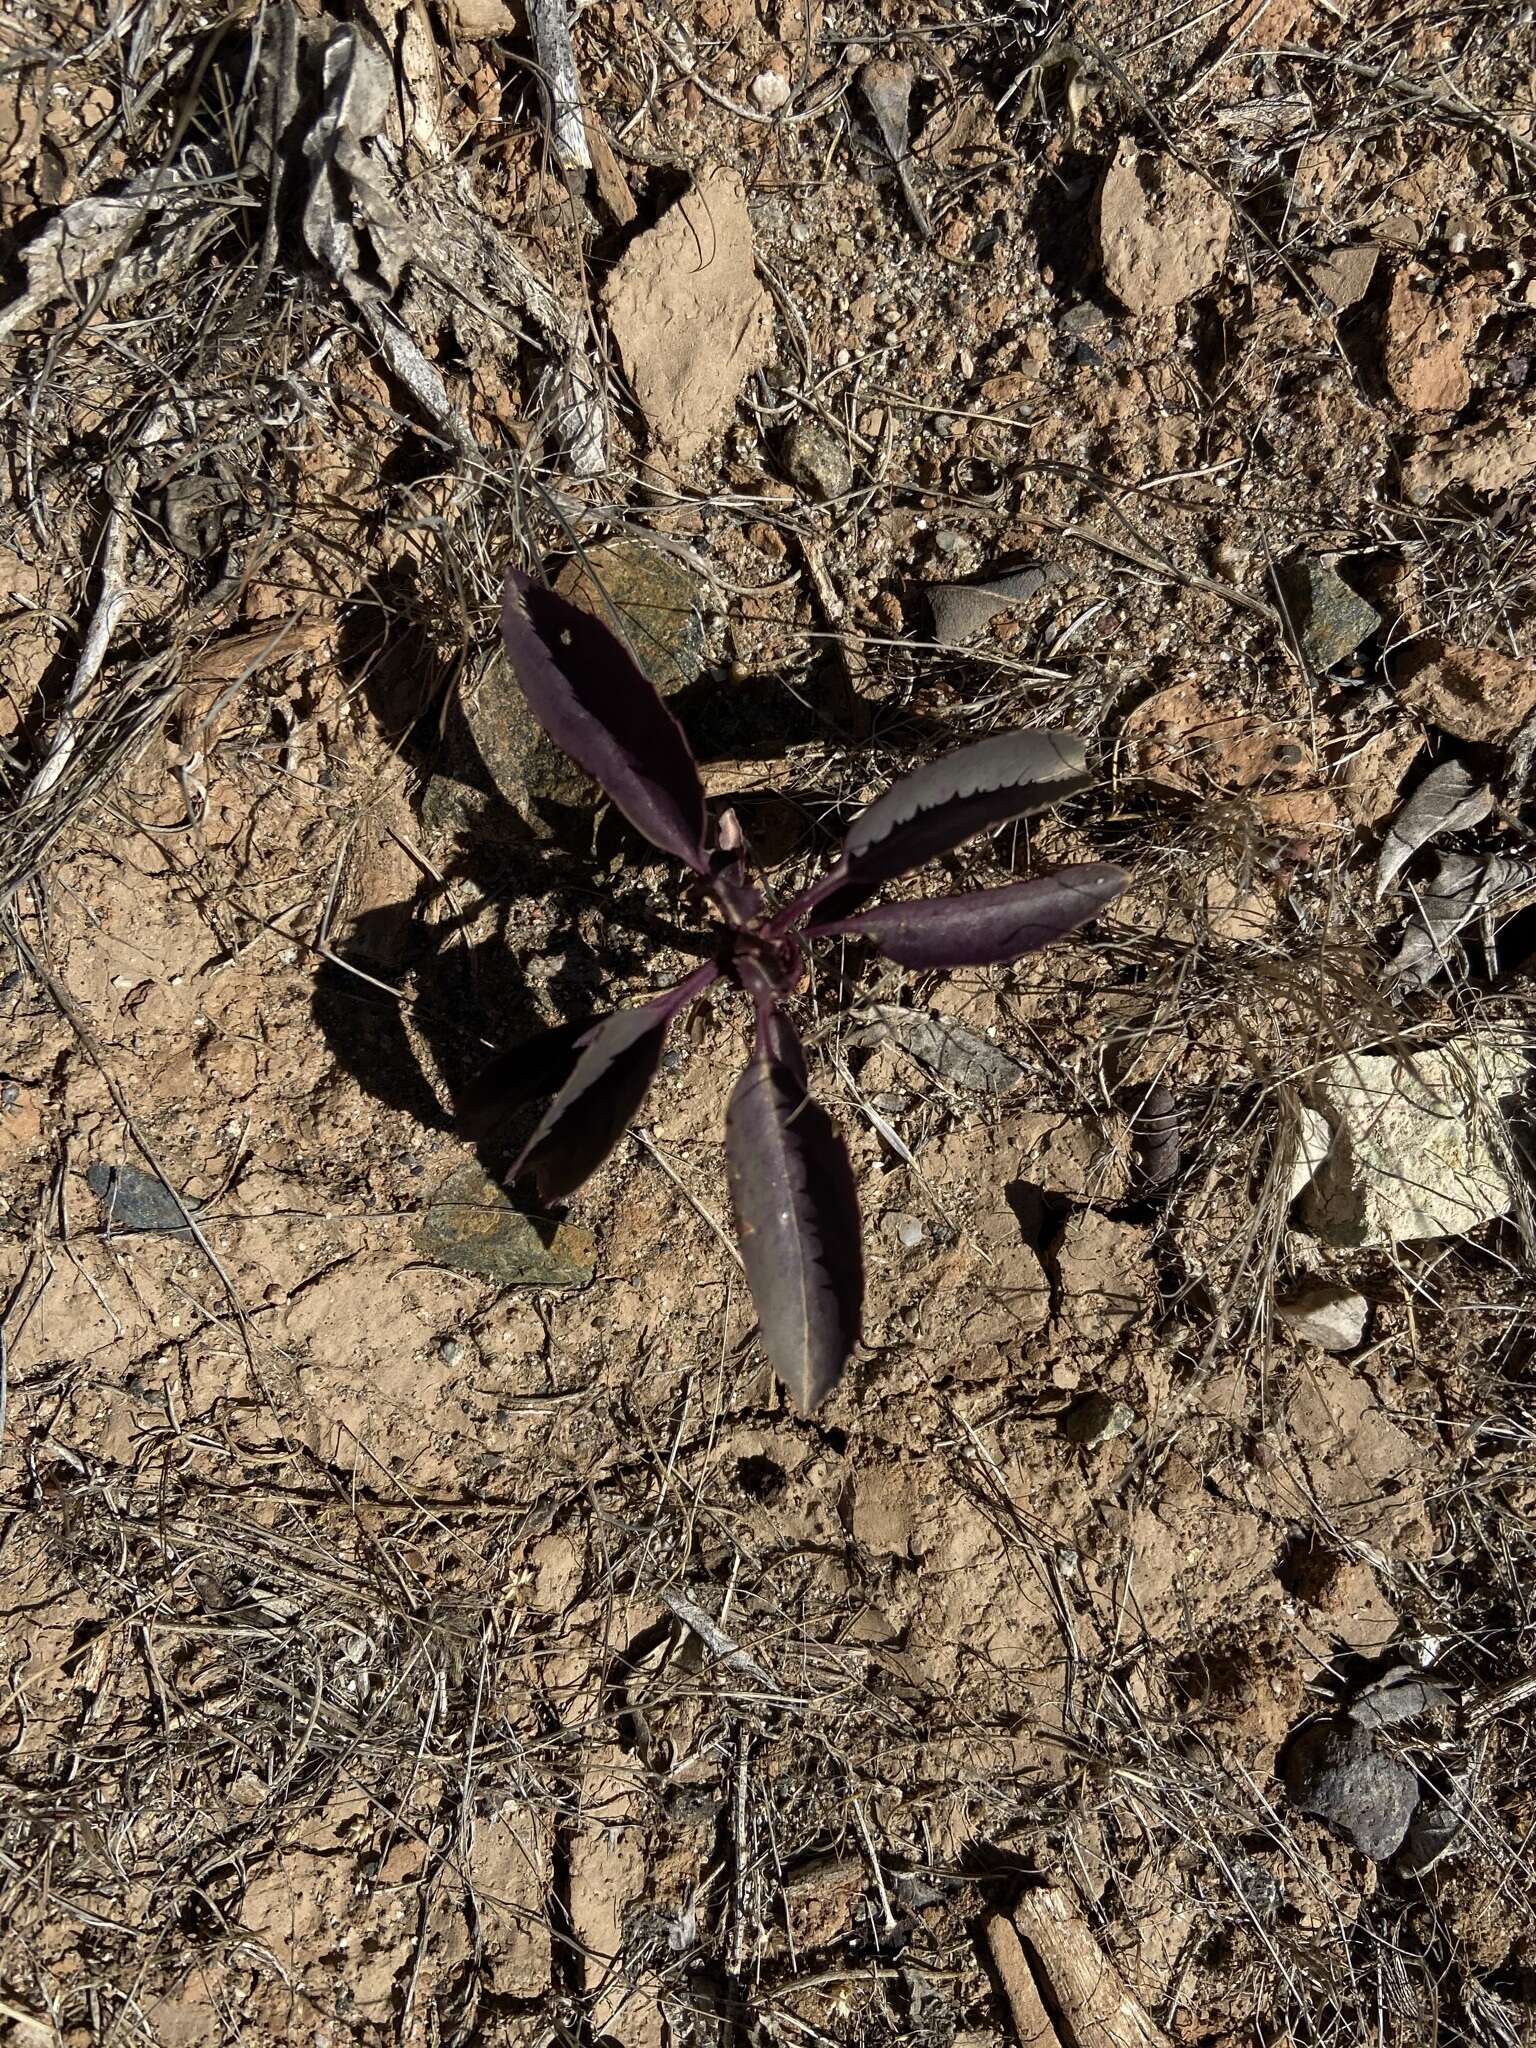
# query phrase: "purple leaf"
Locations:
[[937, 807], [797, 1218], [618, 1061], [584, 688], [988, 926]]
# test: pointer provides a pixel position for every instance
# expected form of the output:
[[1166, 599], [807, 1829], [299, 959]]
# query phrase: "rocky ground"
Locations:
[[425, 1621]]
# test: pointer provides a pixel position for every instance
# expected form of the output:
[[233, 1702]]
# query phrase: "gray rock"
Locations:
[[1096, 1419], [471, 1227], [1325, 1314], [1326, 618], [1418, 1150], [1436, 1826], [962, 610], [817, 459], [1083, 319], [1333, 1771], [136, 1200], [1401, 1694]]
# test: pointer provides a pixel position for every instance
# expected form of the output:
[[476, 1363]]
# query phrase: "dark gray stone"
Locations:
[[817, 460], [1333, 1771], [962, 610], [1326, 618], [1402, 1694], [135, 1200], [471, 1227], [1436, 1826]]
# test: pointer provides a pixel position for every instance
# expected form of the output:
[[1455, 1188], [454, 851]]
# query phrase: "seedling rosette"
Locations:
[[792, 1190]]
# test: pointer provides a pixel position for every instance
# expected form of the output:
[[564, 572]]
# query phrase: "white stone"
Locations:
[[1420, 1142], [1324, 1314], [1314, 1141], [770, 91]]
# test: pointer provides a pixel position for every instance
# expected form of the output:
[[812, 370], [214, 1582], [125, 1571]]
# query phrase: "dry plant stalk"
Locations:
[[1048, 1945]]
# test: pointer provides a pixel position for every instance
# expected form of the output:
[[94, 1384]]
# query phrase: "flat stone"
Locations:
[[134, 1199], [1163, 231], [1343, 276], [1326, 617], [471, 1227], [691, 319], [952, 1051], [817, 459], [1414, 1153], [962, 610], [1335, 1772], [1324, 1314]]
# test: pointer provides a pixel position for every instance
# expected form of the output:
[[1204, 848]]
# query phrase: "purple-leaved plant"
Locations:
[[797, 1216]]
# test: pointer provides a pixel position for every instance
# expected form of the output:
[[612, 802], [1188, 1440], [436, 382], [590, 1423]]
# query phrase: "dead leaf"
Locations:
[[1448, 800], [948, 1049]]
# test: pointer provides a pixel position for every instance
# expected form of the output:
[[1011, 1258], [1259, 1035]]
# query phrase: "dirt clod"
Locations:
[[1163, 231], [1430, 327], [690, 316], [1477, 693]]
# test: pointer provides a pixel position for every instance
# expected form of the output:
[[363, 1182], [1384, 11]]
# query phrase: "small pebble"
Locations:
[[770, 91], [907, 1230], [1096, 1419], [452, 1351], [817, 459]]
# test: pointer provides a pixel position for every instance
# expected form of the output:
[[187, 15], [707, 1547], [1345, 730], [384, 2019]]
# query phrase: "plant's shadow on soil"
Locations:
[[464, 1005]]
